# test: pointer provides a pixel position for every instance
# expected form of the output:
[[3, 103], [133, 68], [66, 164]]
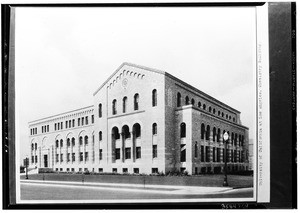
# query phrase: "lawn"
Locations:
[[235, 181]]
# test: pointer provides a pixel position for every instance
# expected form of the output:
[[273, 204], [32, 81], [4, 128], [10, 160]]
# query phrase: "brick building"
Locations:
[[143, 121]]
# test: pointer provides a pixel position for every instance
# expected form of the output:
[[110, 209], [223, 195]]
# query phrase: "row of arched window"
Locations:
[[136, 131], [210, 109], [125, 101], [235, 138], [34, 146], [60, 143]]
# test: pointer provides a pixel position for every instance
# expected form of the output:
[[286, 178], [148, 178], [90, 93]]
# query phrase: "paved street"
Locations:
[[39, 190]]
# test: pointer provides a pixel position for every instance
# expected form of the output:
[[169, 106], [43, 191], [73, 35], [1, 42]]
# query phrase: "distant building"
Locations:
[[251, 156], [143, 121]]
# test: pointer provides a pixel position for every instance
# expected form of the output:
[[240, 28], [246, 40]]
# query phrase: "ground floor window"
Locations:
[[154, 170], [60, 169], [114, 170], [136, 170], [56, 169], [100, 154], [202, 153], [32, 159], [80, 169], [72, 169], [207, 154], [100, 169], [36, 159], [154, 151], [68, 169], [127, 153], [183, 153], [125, 170]]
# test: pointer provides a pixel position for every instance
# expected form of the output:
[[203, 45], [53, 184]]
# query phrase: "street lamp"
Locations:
[[26, 165], [225, 139]]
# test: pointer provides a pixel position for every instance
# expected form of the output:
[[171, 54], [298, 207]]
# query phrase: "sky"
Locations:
[[64, 54]]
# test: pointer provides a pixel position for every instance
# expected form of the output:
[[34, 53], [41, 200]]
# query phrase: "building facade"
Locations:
[[143, 120]]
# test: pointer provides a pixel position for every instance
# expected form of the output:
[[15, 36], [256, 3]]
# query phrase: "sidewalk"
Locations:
[[147, 188]]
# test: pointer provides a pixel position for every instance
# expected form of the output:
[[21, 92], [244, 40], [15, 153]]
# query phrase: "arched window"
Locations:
[[125, 131], [114, 109], [124, 104], [187, 100], [137, 130], [226, 116], [219, 113], [214, 110], [178, 99], [73, 141], [154, 129], [202, 131], [68, 142], [233, 119], [56, 143], [136, 102], [199, 104], [32, 146], [193, 101], [207, 132], [222, 114], [61, 143], [35, 146], [209, 109], [182, 130], [154, 97], [100, 136], [218, 135], [100, 110], [204, 106], [214, 133], [80, 140], [115, 133], [229, 117], [86, 140]]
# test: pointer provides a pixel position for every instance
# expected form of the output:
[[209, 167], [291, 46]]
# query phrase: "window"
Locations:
[[193, 101], [42, 129], [182, 130], [199, 104], [127, 153], [124, 104], [207, 132], [207, 152], [218, 135], [73, 141], [73, 122], [100, 170], [136, 102], [209, 109], [80, 140], [187, 100], [78, 122], [202, 131], [100, 136], [86, 156], [55, 126], [154, 97], [32, 146], [218, 155], [36, 159], [82, 121], [137, 130], [61, 157], [69, 123], [92, 119], [196, 149], [154, 129], [68, 157], [61, 124], [81, 156], [136, 170], [117, 152], [35, 146], [154, 151], [57, 156], [115, 133], [68, 142], [58, 126], [178, 99], [214, 154], [138, 152], [114, 110], [100, 154], [86, 120], [66, 124], [56, 143], [32, 159], [115, 170], [202, 153], [86, 140], [100, 110], [182, 153], [154, 170], [214, 134], [204, 106], [61, 143], [125, 170], [73, 157], [125, 131], [214, 110]]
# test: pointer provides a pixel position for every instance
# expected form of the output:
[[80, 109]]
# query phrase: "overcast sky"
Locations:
[[64, 54]]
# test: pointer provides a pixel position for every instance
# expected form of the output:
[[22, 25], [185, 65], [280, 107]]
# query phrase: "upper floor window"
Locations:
[[61, 143], [66, 124], [137, 130], [100, 136], [136, 102], [92, 119], [86, 140], [193, 101], [182, 130], [154, 97], [78, 121], [187, 100], [178, 99], [209, 109], [86, 120], [154, 129], [204, 106], [124, 104], [199, 104], [114, 107], [100, 110], [82, 121]]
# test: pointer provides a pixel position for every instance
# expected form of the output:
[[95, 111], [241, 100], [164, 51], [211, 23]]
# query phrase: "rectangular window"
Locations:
[[68, 169], [57, 156], [117, 153], [154, 170], [42, 129], [92, 119], [66, 124], [82, 121], [138, 152], [68, 157], [127, 153], [154, 151], [136, 170], [183, 153], [100, 169], [61, 124], [218, 155], [125, 170], [36, 159], [73, 170], [100, 154], [86, 156], [86, 120], [58, 126], [73, 122], [78, 121], [55, 126], [115, 170], [61, 157], [60, 169], [47, 128], [231, 156], [202, 153], [207, 152], [70, 123], [214, 154], [81, 156], [73, 157], [32, 159]]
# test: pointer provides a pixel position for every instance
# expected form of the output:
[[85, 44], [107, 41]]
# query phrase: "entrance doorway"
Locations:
[[45, 161]]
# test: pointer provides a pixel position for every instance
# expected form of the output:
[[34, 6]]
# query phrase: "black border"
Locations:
[[281, 167]]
